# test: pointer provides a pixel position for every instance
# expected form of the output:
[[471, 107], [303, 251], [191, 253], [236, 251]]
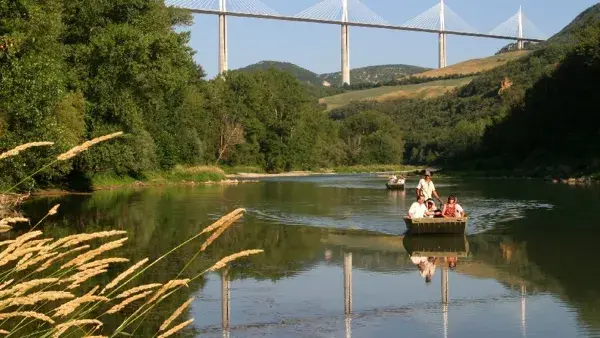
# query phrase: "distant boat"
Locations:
[[426, 225], [399, 185]]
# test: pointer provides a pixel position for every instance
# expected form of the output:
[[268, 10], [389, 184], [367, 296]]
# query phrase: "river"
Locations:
[[528, 268]]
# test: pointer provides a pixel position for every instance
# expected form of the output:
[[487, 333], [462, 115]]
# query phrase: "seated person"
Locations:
[[432, 210], [452, 209], [418, 208], [393, 179]]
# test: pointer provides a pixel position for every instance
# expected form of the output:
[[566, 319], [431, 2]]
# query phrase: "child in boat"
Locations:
[[432, 210], [452, 208]]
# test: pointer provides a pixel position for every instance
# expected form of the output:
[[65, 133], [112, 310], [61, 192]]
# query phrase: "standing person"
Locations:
[[426, 188], [418, 208]]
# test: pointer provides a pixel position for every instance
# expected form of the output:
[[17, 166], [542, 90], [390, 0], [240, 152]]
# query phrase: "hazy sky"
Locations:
[[317, 46]]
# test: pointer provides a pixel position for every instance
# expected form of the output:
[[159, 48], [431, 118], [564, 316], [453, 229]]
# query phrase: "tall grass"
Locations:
[[179, 174], [43, 280]]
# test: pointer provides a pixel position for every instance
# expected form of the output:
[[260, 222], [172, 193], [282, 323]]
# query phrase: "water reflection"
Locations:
[[447, 251], [225, 302], [296, 286], [426, 252]]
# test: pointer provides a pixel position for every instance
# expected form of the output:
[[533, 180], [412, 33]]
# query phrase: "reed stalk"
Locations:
[[29, 255]]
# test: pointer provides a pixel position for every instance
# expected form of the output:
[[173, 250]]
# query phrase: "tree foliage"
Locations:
[[74, 70]]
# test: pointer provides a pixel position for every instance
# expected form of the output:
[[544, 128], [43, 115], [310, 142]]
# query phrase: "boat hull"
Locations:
[[394, 186], [431, 226]]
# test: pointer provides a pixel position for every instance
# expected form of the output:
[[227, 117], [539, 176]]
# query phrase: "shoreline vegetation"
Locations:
[[35, 265], [213, 175], [551, 176], [210, 175], [231, 175]]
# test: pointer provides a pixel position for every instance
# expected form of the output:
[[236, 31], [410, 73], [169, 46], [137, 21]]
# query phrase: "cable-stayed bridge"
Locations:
[[439, 19]]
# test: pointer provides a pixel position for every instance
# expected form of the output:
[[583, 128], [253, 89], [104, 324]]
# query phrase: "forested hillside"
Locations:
[[374, 74], [362, 75], [536, 113], [311, 81]]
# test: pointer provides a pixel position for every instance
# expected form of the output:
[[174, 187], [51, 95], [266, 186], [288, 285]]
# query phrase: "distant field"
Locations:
[[423, 90], [475, 65]]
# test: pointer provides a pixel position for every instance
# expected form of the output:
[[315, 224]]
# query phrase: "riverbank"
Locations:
[[552, 176], [208, 175], [242, 172]]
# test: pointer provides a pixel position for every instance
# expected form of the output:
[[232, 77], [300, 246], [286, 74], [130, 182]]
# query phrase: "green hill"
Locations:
[[370, 74], [374, 74], [302, 74], [568, 35]]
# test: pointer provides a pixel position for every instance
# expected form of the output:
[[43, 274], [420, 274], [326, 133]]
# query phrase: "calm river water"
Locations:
[[526, 268]]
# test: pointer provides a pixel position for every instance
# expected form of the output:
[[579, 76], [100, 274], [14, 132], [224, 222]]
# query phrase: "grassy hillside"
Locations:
[[475, 65], [374, 74], [425, 90], [413, 91]]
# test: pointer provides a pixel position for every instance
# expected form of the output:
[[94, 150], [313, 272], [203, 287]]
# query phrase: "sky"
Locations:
[[317, 47]]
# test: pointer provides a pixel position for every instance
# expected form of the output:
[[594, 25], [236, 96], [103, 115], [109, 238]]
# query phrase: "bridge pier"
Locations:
[[223, 67], [442, 50], [345, 55], [345, 44]]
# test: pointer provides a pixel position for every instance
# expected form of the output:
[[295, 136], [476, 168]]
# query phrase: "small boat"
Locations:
[[426, 225], [399, 185]]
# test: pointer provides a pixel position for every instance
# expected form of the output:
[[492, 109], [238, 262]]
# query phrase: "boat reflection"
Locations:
[[430, 251]]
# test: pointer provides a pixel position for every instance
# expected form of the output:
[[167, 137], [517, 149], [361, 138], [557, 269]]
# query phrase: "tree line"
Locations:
[[71, 71]]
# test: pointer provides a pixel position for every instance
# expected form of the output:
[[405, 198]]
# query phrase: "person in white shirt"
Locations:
[[426, 188], [418, 208]]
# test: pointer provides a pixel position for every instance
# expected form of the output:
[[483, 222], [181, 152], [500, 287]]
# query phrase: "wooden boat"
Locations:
[[395, 186], [437, 246], [422, 226]]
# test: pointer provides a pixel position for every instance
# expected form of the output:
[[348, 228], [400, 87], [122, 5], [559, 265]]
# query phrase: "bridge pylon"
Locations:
[[520, 28], [442, 38]]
